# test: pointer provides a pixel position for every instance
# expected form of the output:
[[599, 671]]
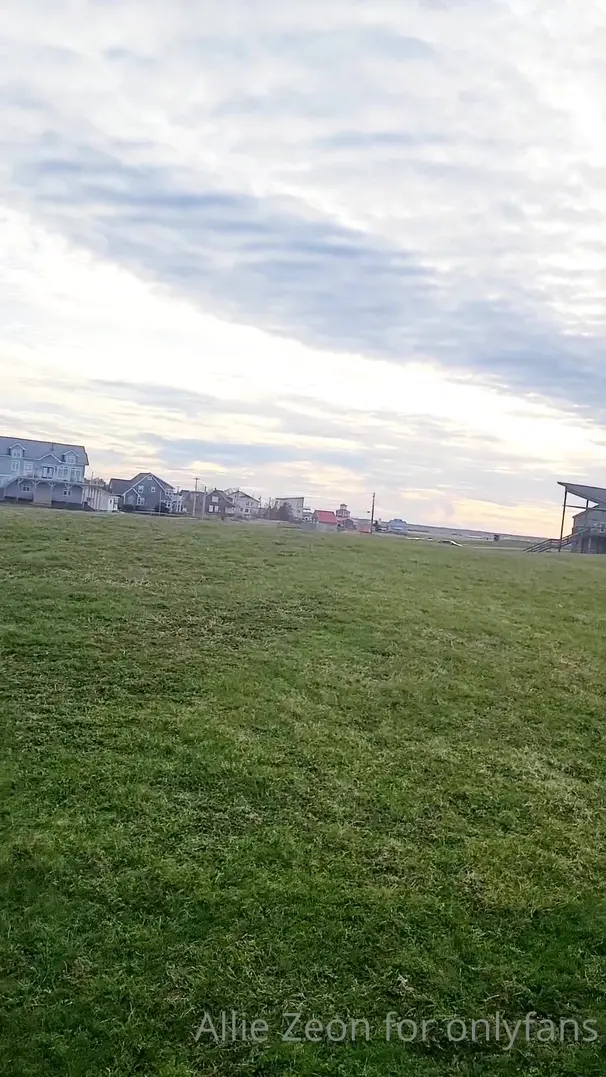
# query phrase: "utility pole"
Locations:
[[372, 514], [195, 498]]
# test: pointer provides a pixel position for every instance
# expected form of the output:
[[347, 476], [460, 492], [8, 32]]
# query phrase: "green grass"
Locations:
[[254, 769]]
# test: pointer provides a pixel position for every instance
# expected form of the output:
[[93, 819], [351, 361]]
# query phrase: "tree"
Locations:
[[284, 512]]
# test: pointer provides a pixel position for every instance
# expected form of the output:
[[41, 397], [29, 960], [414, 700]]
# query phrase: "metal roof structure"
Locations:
[[325, 516], [594, 494], [591, 495]]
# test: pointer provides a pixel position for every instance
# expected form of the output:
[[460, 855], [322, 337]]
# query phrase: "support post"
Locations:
[[563, 518], [372, 514]]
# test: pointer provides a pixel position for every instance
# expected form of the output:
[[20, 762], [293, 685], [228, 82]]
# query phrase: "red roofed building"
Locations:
[[325, 520]]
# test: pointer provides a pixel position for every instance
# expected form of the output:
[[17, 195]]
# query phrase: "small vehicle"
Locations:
[[450, 542]]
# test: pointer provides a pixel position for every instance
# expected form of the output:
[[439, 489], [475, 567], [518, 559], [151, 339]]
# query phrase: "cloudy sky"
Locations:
[[325, 247]]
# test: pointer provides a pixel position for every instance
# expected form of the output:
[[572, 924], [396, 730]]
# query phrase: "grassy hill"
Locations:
[[273, 772]]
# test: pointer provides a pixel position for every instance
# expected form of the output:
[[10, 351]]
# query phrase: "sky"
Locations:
[[322, 248]]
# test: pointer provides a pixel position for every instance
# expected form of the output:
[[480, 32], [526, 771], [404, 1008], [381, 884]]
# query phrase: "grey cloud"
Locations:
[[259, 261], [184, 452], [420, 105]]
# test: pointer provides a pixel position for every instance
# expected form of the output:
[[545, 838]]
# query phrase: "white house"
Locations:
[[295, 505], [96, 496], [244, 504]]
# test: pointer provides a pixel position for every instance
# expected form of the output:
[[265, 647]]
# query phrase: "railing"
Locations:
[[556, 544], [544, 546], [37, 475]]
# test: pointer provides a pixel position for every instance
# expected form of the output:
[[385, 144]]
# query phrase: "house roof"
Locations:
[[37, 449], [323, 516], [242, 493], [122, 486]]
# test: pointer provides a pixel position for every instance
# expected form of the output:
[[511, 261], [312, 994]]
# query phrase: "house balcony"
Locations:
[[67, 476]]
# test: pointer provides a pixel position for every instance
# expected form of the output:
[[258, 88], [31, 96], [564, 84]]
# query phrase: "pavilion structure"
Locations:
[[588, 533]]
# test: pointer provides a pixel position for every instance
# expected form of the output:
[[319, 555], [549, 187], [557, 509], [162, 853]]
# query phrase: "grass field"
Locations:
[[274, 772]]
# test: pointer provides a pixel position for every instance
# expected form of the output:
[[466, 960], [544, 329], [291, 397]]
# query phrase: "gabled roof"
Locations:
[[241, 493], [166, 486], [122, 486], [220, 493], [595, 494], [323, 516], [34, 450]]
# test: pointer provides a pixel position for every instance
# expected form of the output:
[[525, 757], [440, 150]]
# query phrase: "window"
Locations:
[[153, 489], [139, 489], [17, 452], [15, 465], [26, 487], [75, 474], [62, 472], [66, 491], [28, 467], [48, 472], [70, 458], [214, 500], [140, 500]]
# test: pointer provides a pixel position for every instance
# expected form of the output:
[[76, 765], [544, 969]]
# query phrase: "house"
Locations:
[[219, 504], [398, 527], [192, 501], [42, 472], [346, 522], [295, 506], [146, 493], [362, 525], [97, 496], [323, 520], [244, 504]]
